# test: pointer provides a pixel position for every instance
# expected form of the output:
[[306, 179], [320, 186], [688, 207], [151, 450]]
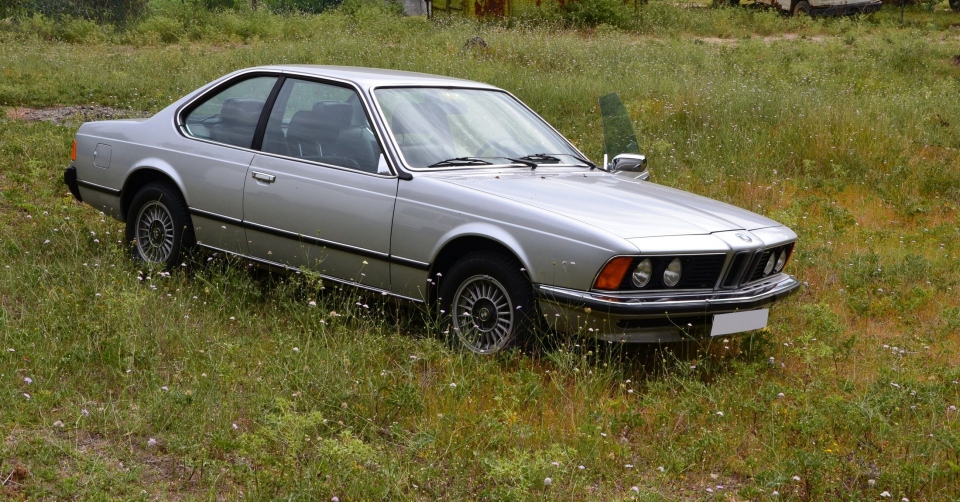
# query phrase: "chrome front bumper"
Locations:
[[653, 317]]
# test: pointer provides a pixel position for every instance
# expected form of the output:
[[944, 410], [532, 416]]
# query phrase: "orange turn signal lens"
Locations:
[[73, 152], [612, 274]]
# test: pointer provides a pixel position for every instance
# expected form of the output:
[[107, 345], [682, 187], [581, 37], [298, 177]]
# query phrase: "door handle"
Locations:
[[266, 178]]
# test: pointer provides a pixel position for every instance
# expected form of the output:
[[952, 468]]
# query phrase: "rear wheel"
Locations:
[[159, 229], [489, 303], [802, 8]]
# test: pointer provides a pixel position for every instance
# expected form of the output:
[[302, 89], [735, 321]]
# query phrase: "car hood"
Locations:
[[620, 205]]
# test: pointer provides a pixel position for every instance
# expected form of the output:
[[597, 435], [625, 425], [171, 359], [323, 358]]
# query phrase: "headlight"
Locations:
[[770, 263], [671, 276], [781, 261], [642, 274]]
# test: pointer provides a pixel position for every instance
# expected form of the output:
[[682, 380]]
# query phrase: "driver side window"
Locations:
[[322, 123]]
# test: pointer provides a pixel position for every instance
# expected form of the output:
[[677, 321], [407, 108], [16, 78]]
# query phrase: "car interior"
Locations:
[[422, 132], [330, 132]]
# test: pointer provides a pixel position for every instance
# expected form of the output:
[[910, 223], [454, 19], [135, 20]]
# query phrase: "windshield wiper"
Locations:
[[461, 161], [523, 161], [550, 158], [586, 162], [541, 158]]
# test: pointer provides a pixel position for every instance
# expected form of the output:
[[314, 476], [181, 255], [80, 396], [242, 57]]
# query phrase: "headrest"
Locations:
[[337, 115], [241, 110], [303, 124]]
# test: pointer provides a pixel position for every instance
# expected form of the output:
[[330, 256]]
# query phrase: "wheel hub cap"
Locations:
[[484, 314], [156, 234]]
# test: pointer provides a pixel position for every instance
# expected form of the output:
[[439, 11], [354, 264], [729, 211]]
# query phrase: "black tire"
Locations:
[[802, 8], [488, 303], [159, 228], [955, 5]]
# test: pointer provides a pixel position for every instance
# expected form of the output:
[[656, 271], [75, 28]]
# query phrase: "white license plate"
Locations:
[[738, 322]]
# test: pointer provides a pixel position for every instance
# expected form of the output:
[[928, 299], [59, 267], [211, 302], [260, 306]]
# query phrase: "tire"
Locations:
[[159, 228], [802, 8], [955, 5], [489, 303]]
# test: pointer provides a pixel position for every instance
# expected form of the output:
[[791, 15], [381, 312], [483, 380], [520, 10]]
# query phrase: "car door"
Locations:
[[217, 151], [320, 195]]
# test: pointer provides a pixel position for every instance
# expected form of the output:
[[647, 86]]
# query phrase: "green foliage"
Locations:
[[249, 391], [103, 11], [219, 5], [586, 13], [302, 6]]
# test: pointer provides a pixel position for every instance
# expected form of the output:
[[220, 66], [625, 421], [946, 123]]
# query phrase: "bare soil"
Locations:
[[71, 114]]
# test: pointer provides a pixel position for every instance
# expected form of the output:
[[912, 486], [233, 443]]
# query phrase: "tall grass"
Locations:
[[217, 381]]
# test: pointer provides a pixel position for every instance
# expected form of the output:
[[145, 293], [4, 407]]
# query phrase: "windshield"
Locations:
[[469, 127]]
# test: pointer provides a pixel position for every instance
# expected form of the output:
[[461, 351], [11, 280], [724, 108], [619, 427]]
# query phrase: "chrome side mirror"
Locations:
[[631, 164]]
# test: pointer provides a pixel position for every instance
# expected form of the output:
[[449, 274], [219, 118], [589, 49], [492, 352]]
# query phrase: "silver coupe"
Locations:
[[437, 190]]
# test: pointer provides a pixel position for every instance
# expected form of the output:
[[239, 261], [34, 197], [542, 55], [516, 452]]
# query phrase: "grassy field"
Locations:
[[220, 382]]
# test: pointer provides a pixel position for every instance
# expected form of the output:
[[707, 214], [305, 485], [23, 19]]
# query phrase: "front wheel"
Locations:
[[801, 9], [489, 303], [159, 229]]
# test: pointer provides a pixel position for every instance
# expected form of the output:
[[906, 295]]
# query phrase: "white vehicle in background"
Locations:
[[822, 7]]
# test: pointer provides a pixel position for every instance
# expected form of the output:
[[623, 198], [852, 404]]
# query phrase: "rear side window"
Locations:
[[231, 115]]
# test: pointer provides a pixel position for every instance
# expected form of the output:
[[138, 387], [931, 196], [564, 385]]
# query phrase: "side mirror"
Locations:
[[631, 164]]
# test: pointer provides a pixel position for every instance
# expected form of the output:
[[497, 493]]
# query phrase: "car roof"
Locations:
[[376, 77]]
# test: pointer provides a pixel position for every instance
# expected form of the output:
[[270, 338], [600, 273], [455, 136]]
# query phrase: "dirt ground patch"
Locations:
[[767, 39], [71, 114]]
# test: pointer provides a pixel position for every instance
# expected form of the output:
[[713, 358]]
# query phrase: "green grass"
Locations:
[[847, 130]]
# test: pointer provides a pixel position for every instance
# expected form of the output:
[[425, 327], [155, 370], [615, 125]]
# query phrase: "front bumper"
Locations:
[[653, 317]]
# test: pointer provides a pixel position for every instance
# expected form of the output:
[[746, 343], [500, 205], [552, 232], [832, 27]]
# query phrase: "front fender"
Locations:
[[487, 231]]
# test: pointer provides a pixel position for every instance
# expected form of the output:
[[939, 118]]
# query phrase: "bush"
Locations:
[[101, 11], [586, 13], [303, 6], [221, 4], [576, 14]]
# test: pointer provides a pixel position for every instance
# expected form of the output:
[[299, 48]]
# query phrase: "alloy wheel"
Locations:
[[482, 314], [155, 232]]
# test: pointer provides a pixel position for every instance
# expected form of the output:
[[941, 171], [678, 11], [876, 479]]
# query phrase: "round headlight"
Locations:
[[770, 263], [781, 261], [671, 276], [642, 274]]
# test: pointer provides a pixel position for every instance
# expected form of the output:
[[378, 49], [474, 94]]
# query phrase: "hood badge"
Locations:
[[744, 237]]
